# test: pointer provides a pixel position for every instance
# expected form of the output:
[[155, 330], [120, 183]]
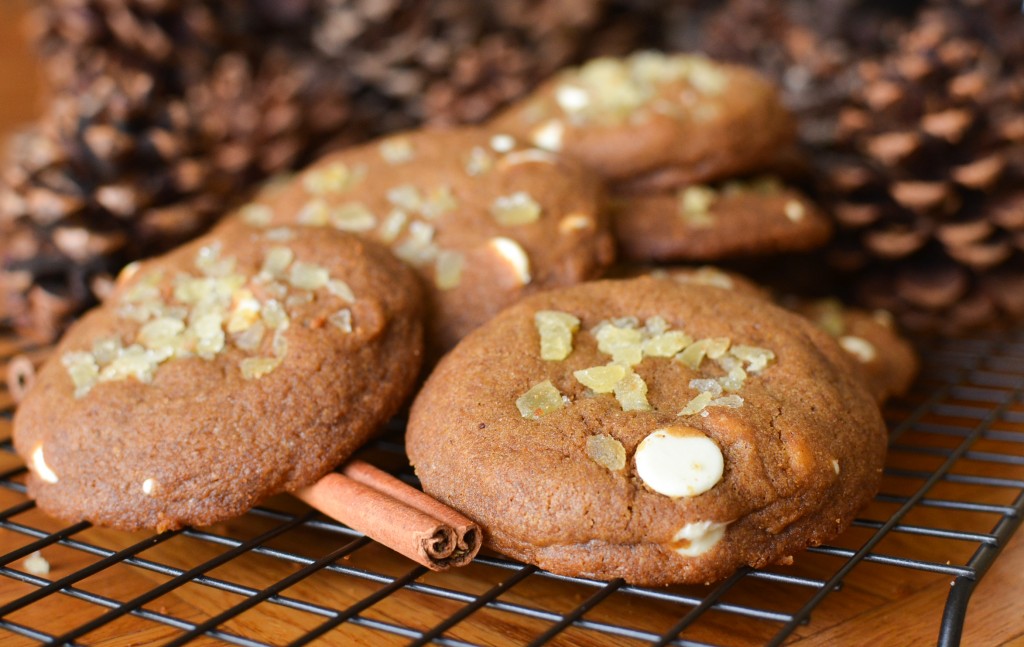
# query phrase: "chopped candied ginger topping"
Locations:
[[202, 314], [601, 379], [542, 399], [606, 452], [516, 209], [556, 330], [612, 90]]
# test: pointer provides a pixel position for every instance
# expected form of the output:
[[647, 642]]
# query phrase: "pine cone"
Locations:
[[166, 112], [926, 169]]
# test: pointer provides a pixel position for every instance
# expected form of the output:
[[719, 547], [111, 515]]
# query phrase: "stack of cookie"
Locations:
[[689, 149], [665, 428]]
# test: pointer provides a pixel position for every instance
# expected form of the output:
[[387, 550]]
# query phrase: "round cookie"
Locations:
[[483, 219], [703, 223], [244, 364], [661, 119], [676, 433], [887, 360]]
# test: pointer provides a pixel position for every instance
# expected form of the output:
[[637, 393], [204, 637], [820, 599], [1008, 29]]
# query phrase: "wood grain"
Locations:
[[879, 603]]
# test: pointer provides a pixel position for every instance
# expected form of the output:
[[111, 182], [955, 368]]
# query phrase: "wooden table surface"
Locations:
[[885, 608]]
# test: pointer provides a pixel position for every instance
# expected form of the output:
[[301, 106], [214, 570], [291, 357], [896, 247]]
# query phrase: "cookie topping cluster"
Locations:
[[205, 312], [695, 202], [830, 317], [612, 91]]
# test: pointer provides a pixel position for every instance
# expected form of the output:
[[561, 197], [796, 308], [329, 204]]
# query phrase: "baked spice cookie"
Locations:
[[735, 219], [887, 360], [659, 119], [483, 218], [650, 430], [247, 363]]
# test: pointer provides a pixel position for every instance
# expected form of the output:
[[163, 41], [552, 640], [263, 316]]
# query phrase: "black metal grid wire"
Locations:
[[957, 449]]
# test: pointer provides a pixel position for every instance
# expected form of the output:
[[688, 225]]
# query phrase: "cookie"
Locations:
[[888, 361], [700, 275], [244, 364], [659, 119], [484, 219], [649, 430], [701, 223]]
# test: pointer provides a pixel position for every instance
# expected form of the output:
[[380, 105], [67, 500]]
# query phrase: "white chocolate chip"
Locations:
[[679, 462], [502, 143], [515, 256], [794, 210], [859, 347], [571, 98], [835, 465], [549, 135], [695, 539], [36, 564], [148, 485], [40, 467]]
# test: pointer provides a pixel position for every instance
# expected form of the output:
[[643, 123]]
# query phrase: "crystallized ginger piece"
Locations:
[[601, 379], [556, 330], [542, 399], [631, 392], [606, 452]]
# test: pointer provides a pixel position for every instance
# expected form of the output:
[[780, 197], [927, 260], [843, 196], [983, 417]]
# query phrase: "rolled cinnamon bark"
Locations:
[[396, 515], [21, 374]]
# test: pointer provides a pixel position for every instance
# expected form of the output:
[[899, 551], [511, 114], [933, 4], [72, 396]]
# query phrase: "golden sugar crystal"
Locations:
[[542, 399], [601, 379], [556, 330], [606, 452]]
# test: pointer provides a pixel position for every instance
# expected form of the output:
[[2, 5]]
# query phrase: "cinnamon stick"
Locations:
[[396, 515], [21, 374]]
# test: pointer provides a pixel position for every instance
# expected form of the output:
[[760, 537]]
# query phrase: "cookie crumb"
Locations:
[[36, 564]]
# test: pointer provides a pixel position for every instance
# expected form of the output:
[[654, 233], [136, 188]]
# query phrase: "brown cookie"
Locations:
[[887, 360], [664, 119], [483, 219], [700, 223], [244, 364], [701, 275], [649, 430]]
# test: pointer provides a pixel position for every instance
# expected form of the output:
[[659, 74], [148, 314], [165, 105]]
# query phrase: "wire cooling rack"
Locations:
[[952, 496]]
